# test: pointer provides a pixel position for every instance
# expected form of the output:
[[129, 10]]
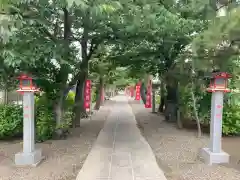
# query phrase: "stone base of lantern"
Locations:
[[214, 158], [29, 159]]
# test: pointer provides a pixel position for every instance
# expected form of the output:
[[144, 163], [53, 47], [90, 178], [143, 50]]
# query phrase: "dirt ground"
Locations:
[[64, 158], [177, 150]]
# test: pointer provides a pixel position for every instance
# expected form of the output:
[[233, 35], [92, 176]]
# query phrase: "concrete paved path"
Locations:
[[120, 152]]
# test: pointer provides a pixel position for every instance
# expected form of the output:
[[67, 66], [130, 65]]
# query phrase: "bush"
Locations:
[[231, 120], [231, 112], [11, 121], [45, 125], [43, 100], [11, 118]]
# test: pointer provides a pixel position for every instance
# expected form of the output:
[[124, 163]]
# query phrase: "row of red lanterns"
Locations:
[[129, 91]]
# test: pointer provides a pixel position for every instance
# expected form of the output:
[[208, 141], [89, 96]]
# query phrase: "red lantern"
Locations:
[[26, 84], [149, 96], [87, 94], [219, 82], [138, 86]]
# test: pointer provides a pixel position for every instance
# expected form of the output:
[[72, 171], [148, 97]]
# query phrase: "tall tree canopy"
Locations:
[[64, 42]]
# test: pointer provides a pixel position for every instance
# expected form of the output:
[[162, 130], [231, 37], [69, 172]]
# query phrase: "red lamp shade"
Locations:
[[26, 83], [219, 82]]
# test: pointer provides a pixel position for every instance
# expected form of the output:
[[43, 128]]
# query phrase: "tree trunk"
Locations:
[[194, 102], [58, 112], [143, 93], [196, 111], [153, 101], [99, 94], [171, 103], [162, 104], [179, 120], [102, 94], [82, 106], [98, 99], [162, 98], [79, 109]]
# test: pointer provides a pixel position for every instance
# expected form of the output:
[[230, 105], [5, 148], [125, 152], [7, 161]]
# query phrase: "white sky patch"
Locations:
[[55, 63], [222, 11]]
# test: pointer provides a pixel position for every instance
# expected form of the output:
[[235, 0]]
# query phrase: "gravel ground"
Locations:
[[176, 150], [64, 158]]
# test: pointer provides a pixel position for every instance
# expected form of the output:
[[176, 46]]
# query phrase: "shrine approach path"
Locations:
[[120, 151]]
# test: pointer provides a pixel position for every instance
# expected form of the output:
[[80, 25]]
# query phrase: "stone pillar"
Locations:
[[29, 156], [28, 122], [214, 154], [216, 122], [153, 101]]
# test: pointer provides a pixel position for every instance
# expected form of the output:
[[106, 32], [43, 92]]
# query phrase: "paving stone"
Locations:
[[147, 170], [121, 159], [120, 152], [121, 173], [146, 178], [100, 164]]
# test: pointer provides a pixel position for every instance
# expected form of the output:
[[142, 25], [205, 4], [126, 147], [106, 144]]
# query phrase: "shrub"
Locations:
[[42, 100], [231, 112], [231, 120], [44, 118], [11, 118], [45, 124], [11, 121]]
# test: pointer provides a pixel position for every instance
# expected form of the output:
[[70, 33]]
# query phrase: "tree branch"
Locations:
[[93, 47], [42, 29], [224, 5], [45, 31], [67, 25]]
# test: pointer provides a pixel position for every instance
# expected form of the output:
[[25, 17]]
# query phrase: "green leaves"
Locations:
[[218, 46], [231, 122], [11, 121], [81, 3]]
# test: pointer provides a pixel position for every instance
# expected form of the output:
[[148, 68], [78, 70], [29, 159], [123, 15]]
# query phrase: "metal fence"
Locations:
[[12, 97]]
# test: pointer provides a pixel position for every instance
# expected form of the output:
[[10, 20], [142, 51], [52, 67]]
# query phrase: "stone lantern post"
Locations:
[[29, 156], [218, 86]]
